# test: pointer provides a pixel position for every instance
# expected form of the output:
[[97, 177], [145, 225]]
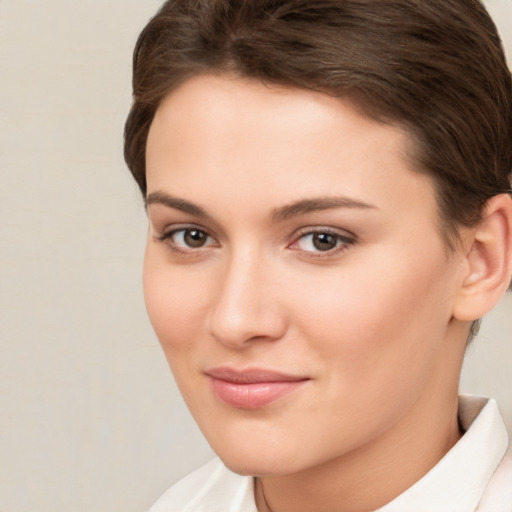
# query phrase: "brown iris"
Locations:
[[324, 241], [195, 238]]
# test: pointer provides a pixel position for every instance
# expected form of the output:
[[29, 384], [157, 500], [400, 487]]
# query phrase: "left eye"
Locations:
[[321, 241]]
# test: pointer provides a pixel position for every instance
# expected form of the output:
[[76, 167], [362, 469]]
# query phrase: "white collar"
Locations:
[[456, 483]]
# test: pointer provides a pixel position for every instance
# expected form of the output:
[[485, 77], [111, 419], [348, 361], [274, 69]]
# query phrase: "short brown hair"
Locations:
[[436, 67]]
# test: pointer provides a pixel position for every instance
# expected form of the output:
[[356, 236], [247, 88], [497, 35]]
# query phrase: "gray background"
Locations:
[[90, 419]]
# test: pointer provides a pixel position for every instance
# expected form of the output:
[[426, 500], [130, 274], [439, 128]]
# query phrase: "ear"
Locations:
[[487, 262]]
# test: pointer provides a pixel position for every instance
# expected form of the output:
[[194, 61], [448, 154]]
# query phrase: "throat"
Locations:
[[260, 498]]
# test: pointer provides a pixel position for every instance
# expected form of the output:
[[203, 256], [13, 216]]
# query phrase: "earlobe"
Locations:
[[488, 261]]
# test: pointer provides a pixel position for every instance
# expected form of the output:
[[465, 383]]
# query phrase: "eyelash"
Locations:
[[343, 241], [167, 238]]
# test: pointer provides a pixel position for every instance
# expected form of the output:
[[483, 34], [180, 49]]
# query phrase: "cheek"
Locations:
[[382, 322], [174, 302]]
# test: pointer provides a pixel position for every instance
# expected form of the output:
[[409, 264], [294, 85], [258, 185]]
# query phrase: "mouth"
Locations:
[[252, 388]]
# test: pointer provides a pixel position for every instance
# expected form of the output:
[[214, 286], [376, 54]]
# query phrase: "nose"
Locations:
[[247, 304]]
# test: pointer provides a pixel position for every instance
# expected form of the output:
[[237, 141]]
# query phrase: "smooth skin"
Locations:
[[289, 232]]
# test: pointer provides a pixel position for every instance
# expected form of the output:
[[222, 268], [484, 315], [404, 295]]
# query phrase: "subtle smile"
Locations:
[[252, 388]]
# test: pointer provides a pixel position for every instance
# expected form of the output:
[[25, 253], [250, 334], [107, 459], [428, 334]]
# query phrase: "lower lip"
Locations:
[[252, 395]]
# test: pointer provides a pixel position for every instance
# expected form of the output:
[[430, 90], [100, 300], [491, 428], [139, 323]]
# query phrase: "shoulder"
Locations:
[[498, 494], [211, 488]]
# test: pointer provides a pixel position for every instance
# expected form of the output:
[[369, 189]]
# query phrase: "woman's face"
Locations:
[[294, 272]]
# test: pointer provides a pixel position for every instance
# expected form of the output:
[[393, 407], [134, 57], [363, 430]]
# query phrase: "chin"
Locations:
[[257, 468], [260, 462]]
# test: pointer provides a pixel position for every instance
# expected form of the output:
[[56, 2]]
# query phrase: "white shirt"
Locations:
[[474, 476]]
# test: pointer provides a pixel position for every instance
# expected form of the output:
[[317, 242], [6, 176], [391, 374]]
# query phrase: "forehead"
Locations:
[[297, 113], [278, 143]]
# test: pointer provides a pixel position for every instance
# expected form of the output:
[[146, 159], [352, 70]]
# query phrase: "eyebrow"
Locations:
[[162, 198], [281, 214], [315, 205]]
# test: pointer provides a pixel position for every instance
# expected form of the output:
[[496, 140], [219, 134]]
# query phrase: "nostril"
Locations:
[[238, 324], [244, 308]]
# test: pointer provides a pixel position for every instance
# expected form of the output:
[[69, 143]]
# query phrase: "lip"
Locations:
[[252, 388]]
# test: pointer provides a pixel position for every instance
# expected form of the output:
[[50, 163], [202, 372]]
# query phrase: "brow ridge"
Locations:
[[280, 214], [316, 204], [160, 197]]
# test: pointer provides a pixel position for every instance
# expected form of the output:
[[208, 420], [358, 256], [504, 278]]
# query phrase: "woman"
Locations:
[[328, 192]]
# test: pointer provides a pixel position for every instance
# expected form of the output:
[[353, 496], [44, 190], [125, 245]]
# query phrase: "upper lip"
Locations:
[[251, 375]]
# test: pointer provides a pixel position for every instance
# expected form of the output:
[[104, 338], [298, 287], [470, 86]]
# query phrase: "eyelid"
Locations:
[[166, 235], [348, 239]]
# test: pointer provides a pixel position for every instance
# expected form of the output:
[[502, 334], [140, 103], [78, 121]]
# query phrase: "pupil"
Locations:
[[195, 238], [324, 241]]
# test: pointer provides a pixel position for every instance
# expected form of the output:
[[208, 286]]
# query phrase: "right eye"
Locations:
[[186, 239]]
